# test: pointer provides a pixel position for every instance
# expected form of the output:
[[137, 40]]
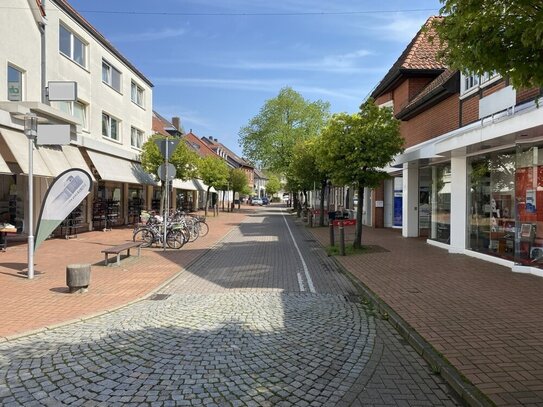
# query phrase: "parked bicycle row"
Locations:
[[180, 227]]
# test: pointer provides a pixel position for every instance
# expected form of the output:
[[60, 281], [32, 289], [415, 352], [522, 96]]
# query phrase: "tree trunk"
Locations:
[[358, 235], [321, 216], [207, 201], [162, 199], [223, 196]]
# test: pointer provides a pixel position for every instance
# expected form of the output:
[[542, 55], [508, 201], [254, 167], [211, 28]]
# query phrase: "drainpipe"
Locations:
[[43, 65]]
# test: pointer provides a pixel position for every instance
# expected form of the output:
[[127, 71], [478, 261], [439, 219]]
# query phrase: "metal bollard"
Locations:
[[341, 239], [310, 218], [331, 227]]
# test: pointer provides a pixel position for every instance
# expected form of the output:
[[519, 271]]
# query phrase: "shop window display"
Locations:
[[528, 200], [492, 220]]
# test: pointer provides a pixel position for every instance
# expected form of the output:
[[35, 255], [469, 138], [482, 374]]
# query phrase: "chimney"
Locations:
[[176, 122]]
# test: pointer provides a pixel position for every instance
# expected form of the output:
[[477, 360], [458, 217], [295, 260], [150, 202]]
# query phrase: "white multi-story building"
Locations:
[[48, 41]]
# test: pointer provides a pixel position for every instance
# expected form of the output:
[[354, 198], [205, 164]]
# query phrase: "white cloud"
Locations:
[[342, 63], [267, 85], [220, 83], [188, 117], [399, 26], [150, 35]]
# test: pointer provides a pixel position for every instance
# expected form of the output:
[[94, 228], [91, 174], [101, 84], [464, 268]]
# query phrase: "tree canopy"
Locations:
[[307, 170], [273, 185], [503, 36], [183, 159], [355, 149], [214, 172], [270, 137], [238, 181]]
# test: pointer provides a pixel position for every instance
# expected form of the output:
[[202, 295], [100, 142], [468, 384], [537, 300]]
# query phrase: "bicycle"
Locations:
[[153, 232]]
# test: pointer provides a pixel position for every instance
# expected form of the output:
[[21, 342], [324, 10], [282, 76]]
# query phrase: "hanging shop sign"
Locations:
[[64, 195]]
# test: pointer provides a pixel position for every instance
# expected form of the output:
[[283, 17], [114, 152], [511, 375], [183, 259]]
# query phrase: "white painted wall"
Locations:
[[20, 46], [458, 204], [91, 90]]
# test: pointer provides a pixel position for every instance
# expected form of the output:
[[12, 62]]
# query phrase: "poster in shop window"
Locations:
[[530, 201], [64, 195]]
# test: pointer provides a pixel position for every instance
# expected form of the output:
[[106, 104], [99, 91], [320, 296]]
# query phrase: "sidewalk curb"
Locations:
[[49, 327], [470, 394]]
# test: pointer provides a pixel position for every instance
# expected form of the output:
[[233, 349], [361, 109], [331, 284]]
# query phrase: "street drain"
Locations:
[[353, 298], [159, 297]]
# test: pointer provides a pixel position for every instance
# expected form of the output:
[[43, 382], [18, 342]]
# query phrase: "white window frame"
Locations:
[[137, 94], [71, 110], [139, 135], [70, 54], [22, 81], [469, 84], [109, 71], [110, 120]]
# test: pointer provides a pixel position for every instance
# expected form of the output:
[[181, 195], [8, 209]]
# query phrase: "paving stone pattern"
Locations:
[[235, 329]]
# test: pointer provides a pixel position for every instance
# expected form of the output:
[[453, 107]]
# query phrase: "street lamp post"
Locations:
[[31, 132]]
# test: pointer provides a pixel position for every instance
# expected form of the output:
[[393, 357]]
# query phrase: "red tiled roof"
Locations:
[[419, 55], [201, 148], [160, 124]]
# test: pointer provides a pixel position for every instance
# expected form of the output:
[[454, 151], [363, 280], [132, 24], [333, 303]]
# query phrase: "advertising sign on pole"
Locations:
[[63, 196]]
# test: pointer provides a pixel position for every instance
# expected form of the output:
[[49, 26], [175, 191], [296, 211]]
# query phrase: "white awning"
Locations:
[[75, 159], [17, 143], [4, 169], [186, 185], [118, 169], [61, 158], [200, 186]]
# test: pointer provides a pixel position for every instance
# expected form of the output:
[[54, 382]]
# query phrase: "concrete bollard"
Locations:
[[331, 227], [341, 239], [78, 277]]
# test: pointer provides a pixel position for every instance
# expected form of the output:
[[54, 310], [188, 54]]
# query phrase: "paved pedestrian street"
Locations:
[[262, 319]]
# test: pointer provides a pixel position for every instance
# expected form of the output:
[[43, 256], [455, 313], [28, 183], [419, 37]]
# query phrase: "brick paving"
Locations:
[[28, 305], [486, 320], [249, 323]]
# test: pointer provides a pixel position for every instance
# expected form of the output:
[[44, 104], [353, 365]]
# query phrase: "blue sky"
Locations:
[[214, 63]]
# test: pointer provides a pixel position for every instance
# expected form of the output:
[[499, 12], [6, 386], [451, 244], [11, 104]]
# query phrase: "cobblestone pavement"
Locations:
[[258, 321]]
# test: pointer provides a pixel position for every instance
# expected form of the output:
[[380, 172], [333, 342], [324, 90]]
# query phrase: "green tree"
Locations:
[[214, 172], [270, 137], [273, 185], [483, 36], [354, 149], [305, 168], [183, 159], [238, 182]]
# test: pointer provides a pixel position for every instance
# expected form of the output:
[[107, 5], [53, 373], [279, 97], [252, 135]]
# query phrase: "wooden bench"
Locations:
[[117, 250]]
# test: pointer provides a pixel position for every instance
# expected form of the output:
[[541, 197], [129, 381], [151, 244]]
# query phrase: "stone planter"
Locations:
[[78, 277]]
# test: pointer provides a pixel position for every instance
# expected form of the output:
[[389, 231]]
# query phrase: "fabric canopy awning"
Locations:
[[4, 169], [118, 169], [186, 185], [17, 144], [47, 161], [200, 186], [59, 159]]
